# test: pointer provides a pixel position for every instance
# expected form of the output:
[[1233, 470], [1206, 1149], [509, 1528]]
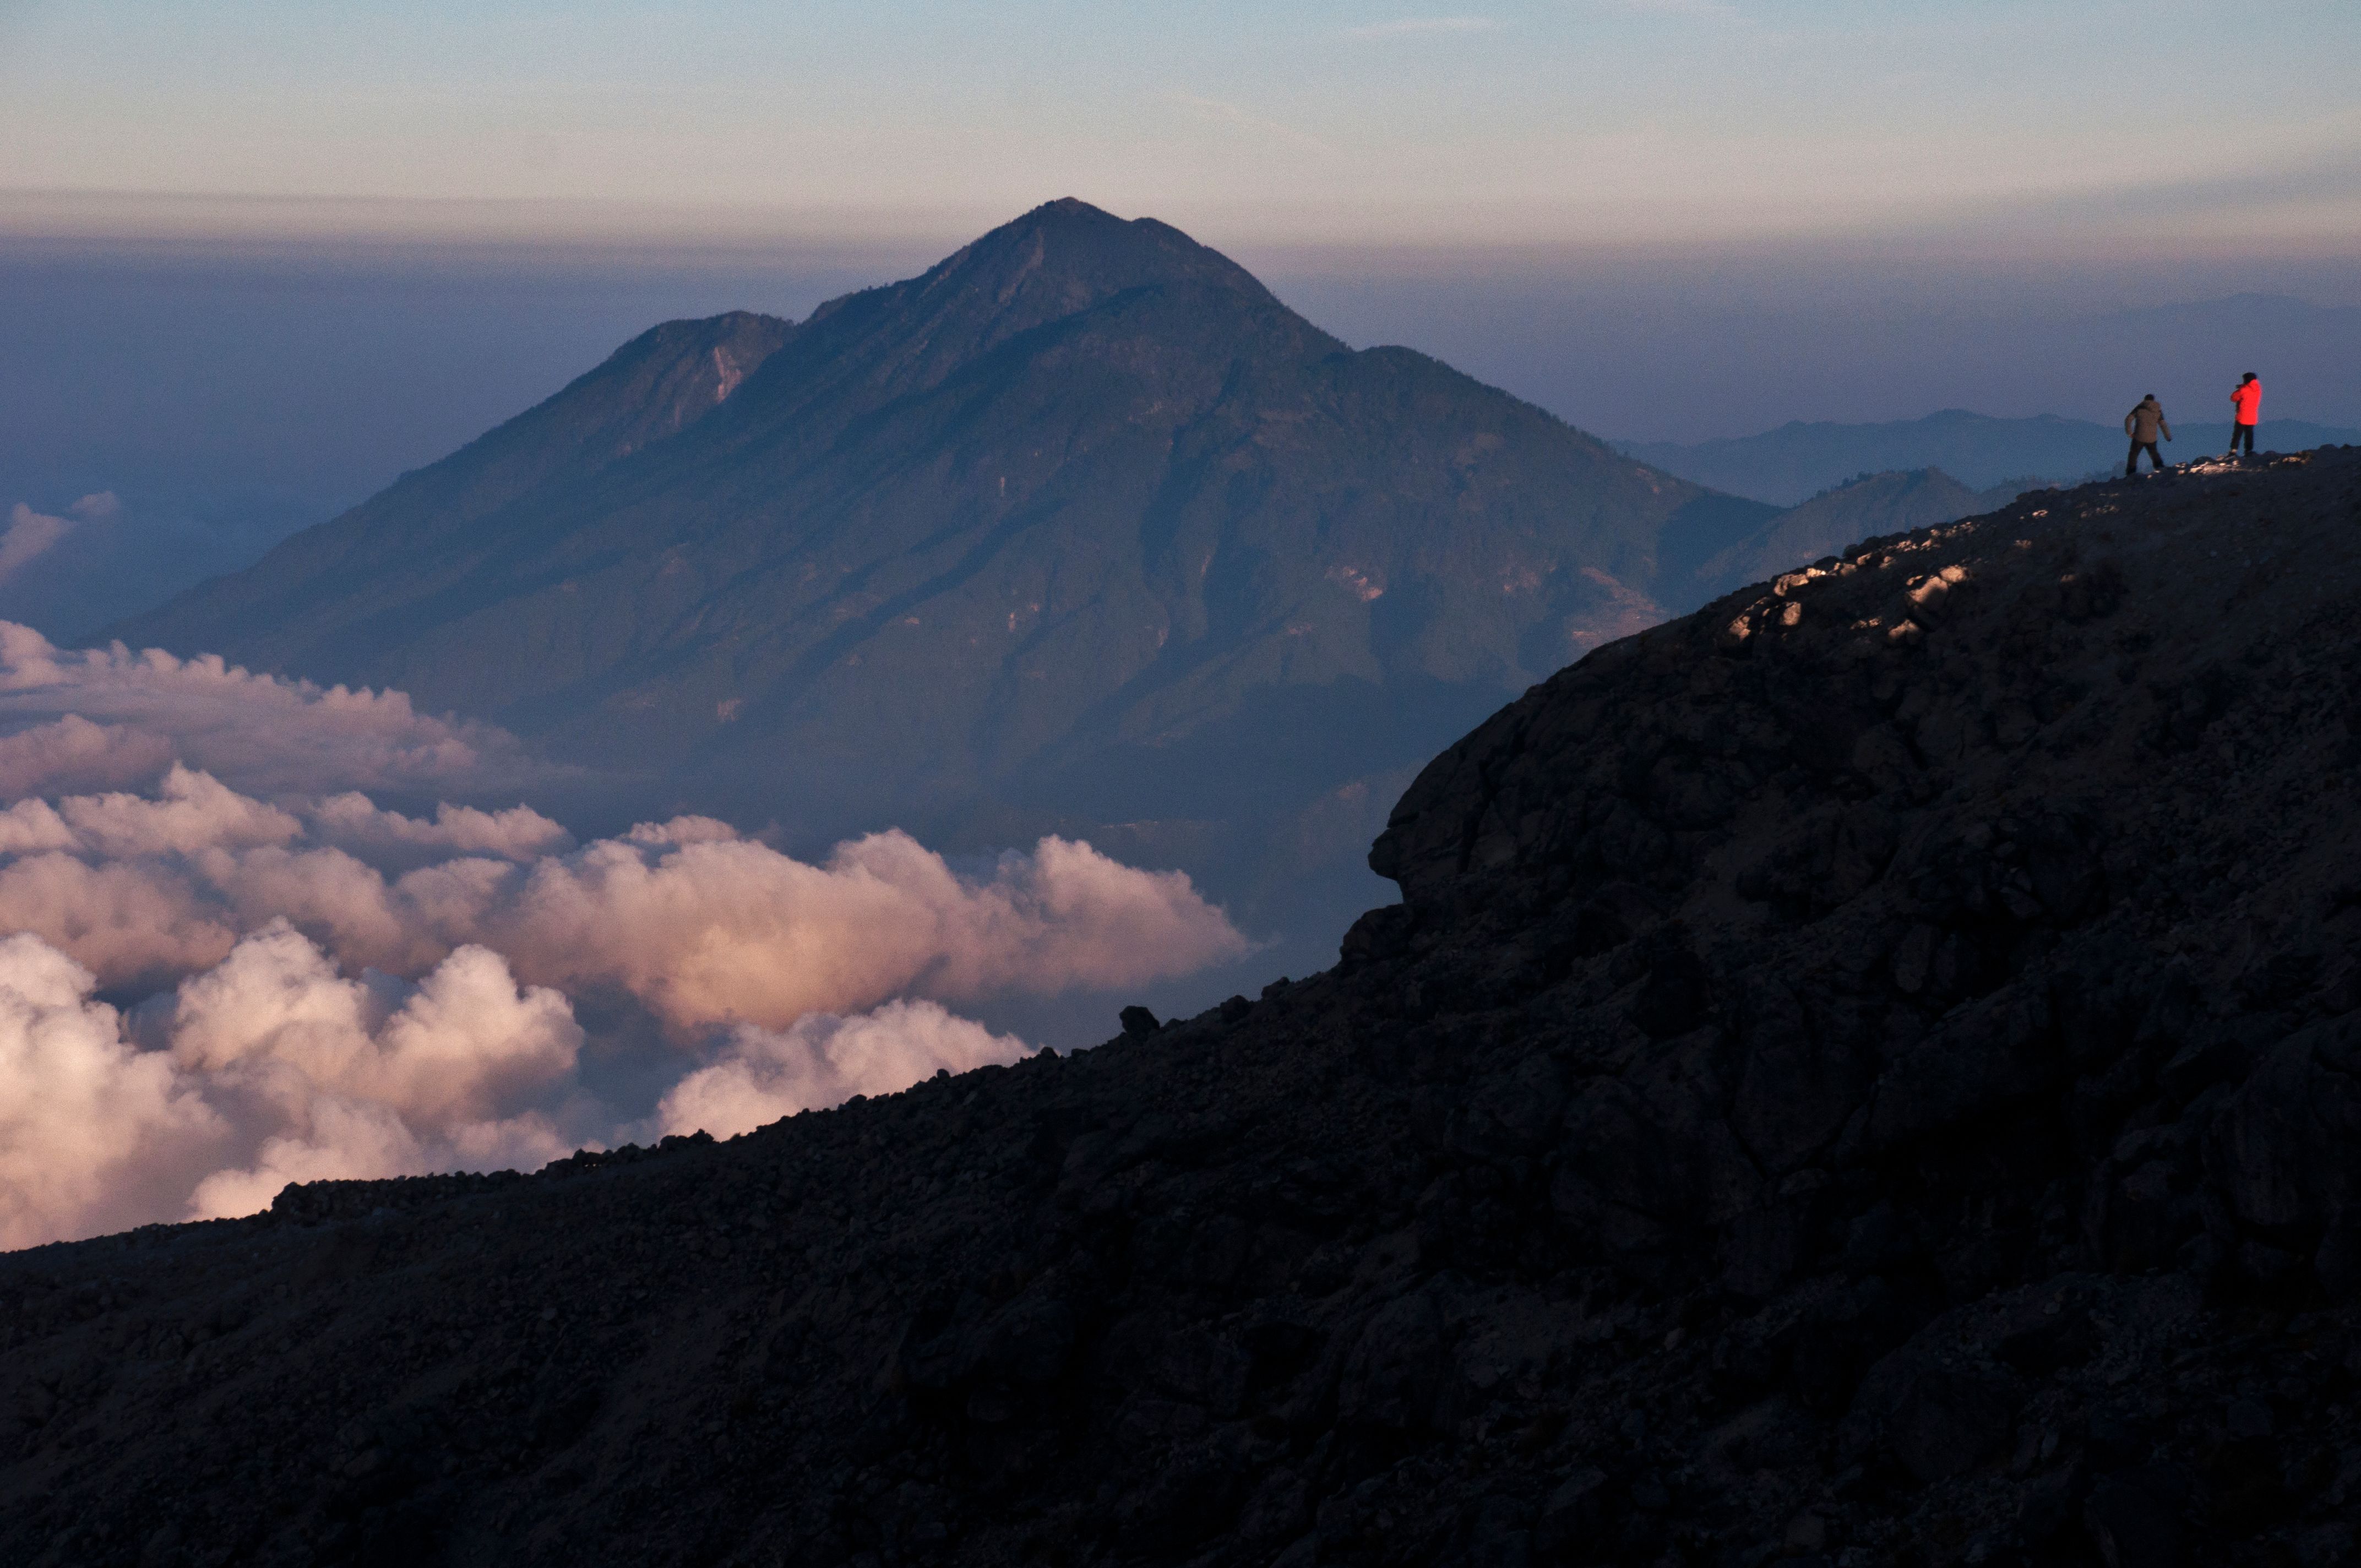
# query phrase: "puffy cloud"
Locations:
[[191, 811], [730, 930], [338, 1142], [466, 1046], [74, 754], [823, 1059], [261, 733], [354, 1087], [345, 991], [702, 926], [278, 1069], [519, 833], [31, 533], [93, 1133], [291, 1050], [131, 922]]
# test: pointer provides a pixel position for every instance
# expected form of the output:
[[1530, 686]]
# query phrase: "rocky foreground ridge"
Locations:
[[1863, 1075]]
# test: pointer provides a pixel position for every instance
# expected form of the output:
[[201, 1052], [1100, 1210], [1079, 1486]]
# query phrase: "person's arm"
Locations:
[[2164, 424]]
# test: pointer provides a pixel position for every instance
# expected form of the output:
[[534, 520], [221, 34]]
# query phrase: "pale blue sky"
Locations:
[[2004, 125]]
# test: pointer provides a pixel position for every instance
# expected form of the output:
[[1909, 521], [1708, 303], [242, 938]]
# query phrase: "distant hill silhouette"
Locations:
[[1081, 529], [1799, 460]]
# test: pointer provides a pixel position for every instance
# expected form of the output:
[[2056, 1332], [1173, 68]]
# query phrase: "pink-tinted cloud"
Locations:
[[703, 925], [94, 1135], [730, 930], [353, 821], [260, 733], [74, 754], [295, 1050], [355, 991], [278, 1070], [32, 534], [822, 1060]]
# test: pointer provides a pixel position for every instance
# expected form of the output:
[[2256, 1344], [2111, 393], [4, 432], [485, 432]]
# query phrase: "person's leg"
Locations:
[[2131, 462], [2246, 436]]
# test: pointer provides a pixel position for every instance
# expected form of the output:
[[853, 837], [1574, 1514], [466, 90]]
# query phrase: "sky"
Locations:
[[1996, 126]]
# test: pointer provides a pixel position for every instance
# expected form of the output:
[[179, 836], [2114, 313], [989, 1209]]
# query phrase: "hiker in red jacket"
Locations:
[[2246, 397], [2143, 425]]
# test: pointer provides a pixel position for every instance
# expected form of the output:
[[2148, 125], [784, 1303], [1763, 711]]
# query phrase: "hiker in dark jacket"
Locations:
[[2143, 424]]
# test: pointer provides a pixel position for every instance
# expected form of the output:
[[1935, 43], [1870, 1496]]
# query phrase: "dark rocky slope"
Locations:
[[1865, 1074]]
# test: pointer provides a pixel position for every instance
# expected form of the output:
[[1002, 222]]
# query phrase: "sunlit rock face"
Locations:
[[1861, 1073]]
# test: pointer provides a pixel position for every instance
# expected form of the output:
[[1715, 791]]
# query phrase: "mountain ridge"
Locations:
[[1077, 513], [980, 315], [657, 384]]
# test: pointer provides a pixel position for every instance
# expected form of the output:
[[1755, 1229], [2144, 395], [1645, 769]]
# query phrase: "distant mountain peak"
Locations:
[[1067, 210], [1053, 264], [1060, 530], [1080, 253]]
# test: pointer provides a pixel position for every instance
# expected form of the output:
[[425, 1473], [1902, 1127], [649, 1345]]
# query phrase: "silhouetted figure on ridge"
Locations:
[[2143, 424], [2246, 398]]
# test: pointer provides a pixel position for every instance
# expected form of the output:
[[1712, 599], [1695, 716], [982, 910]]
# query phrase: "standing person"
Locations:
[[2246, 398], [2143, 424]]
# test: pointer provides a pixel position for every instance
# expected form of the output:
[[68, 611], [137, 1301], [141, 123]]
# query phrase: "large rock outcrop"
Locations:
[[1863, 1075]]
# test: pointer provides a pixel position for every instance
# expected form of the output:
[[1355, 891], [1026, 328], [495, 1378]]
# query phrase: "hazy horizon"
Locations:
[[290, 379], [289, 254]]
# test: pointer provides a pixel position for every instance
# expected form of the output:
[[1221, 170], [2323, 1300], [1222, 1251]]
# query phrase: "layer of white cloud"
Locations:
[[289, 1048], [93, 1133], [278, 1069], [32, 534], [824, 1060], [259, 732], [702, 926]]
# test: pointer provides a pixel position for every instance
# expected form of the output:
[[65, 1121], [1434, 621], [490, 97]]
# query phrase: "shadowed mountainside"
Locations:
[[1020, 529], [1863, 1074], [1081, 531]]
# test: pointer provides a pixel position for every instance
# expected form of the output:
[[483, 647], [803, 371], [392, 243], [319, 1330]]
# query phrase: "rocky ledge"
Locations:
[[1867, 1074]]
